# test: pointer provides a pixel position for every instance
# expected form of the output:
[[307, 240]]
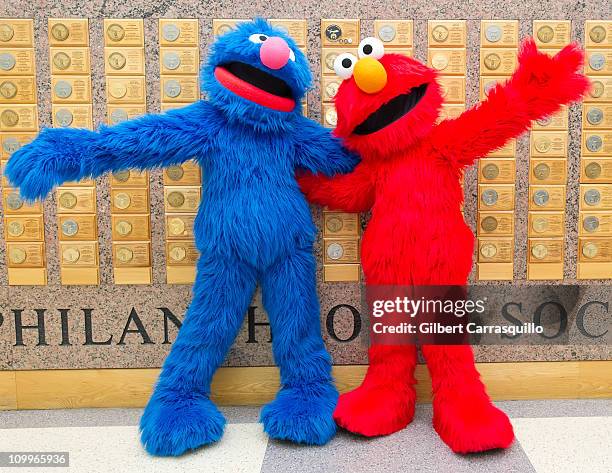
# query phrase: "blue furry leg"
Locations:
[[180, 416], [303, 408]]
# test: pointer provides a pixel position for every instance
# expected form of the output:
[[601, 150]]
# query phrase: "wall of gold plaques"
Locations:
[[502, 208]]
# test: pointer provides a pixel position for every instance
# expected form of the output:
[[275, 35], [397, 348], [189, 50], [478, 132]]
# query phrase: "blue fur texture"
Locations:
[[253, 225]]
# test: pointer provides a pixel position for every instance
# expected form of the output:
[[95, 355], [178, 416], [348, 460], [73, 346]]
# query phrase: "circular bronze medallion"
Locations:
[[176, 199], [175, 173], [123, 227], [17, 255], [539, 225], [333, 224], [592, 170], [117, 61], [597, 34], [439, 61], [331, 117], [541, 171], [15, 229], [488, 250], [62, 61], [590, 250], [597, 89], [71, 255], [331, 89], [178, 253], [118, 90], [492, 61], [489, 224], [122, 200], [115, 32], [545, 34], [592, 197], [439, 34], [590, 223], [68, 200], [539, 251], [125, 255], [60, 32], [9, 118], [544, 121], [490, 171], [121, 176], [14, 201], [176, 226], [329, 60], [8, 89], [6, 32], [542, 144]]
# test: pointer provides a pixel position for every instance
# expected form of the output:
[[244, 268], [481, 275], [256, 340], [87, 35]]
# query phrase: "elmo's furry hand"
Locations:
[[544, 82]]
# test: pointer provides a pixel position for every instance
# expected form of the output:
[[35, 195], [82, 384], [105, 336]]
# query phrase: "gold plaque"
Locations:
[[598, 33], [548, 143], [296, 29], [26, 255], [182, 199], [130, 179], [329, 115], [545, 224], [551, 34], [545, 250], [496, 197], [188, 174], [122, 90], [18, 118], [596, 170], [341, 251], [178, 32], [71, 61], [329, 55], [394, 32], [124, 32], [77, 227], [179, 60], [221, 26], [499, 33], [558, 121], [453, 89], [79, 254], [137, 254], [595, 223], [546, 197], [595, 197], [450, 111], [71, 89], [598, 62], [601, 90], [76, 116], [339, 224], [24, 228], [597, 143], [68, 32], [11, 142], [495, 250], [14, 204], [496, 223], [181, 253], [17, 62], [341, 273], [180, 89], [76, 200], [595, 250], [129, 200], [547, 171], [447, 61], [501, 171], [131, 227], [501, 62], [447, 33], [17, 89], [16, 33], [340, 33], [597, 116], [124, 61], [179, 226]]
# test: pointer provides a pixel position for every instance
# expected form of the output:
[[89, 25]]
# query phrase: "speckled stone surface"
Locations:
[[112, 304]]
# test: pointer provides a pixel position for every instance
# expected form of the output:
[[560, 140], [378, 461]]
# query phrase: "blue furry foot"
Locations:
[[302, 414], [172, 425]]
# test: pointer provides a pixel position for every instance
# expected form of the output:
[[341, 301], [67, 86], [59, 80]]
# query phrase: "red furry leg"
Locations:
[[384, 403], [464, 416]]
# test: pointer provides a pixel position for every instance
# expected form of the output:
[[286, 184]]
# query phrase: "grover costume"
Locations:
[[388, 106], [253, 224]]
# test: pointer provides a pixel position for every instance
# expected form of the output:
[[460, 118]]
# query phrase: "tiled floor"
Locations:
[[553, 436]]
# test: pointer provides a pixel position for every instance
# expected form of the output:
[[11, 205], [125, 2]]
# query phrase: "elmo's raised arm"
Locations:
[[538, 88], [352, 192]]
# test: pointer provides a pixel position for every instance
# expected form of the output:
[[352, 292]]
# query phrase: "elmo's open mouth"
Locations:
[[256, 85], [392, 111]]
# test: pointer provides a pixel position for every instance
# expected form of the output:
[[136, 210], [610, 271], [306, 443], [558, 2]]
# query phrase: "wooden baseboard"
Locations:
[[59, 389]]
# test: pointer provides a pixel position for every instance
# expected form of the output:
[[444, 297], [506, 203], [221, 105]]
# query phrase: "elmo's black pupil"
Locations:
[[263, 38], [367, 49], [346, 63]]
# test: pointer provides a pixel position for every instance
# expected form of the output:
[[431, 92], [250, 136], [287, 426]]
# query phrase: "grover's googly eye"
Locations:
[[292, 55], [257, 38], [344, 65], [371, 47]]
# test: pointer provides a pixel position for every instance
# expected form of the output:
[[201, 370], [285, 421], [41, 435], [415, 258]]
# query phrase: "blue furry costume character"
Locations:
[[253, 225]]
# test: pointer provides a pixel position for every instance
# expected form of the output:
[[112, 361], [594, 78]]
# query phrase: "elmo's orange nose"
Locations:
[[370, 75]]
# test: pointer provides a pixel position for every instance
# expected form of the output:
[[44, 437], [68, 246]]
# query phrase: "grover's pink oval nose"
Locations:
[[274, 52]]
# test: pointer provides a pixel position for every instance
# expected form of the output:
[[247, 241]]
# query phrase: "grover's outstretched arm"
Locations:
[[319, 151], [354, 192], [58, 155], [538, 88]]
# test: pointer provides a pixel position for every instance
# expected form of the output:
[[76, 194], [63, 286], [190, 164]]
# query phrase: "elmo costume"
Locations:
[[388, 106]]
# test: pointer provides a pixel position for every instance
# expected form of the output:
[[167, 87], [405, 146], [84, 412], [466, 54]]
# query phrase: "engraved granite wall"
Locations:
[[98, 326]]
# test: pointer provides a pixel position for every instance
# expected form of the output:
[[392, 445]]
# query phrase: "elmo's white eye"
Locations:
[[344, 65], [292, 55], [371, 47], [257, 38]]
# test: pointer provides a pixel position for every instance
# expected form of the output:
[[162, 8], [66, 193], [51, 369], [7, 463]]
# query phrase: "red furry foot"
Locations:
[[470, 423], [373, 410]]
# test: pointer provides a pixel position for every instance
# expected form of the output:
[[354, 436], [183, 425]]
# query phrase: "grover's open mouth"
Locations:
[[256, 85], [392, 111]]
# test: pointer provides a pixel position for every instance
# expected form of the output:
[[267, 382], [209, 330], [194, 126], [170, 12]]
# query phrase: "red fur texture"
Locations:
[[410, 178]]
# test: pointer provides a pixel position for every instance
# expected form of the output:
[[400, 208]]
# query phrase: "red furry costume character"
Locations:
[[410, 174]]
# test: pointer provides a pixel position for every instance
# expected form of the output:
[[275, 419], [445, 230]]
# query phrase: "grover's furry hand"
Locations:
[[544, 82], [53, 158]]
